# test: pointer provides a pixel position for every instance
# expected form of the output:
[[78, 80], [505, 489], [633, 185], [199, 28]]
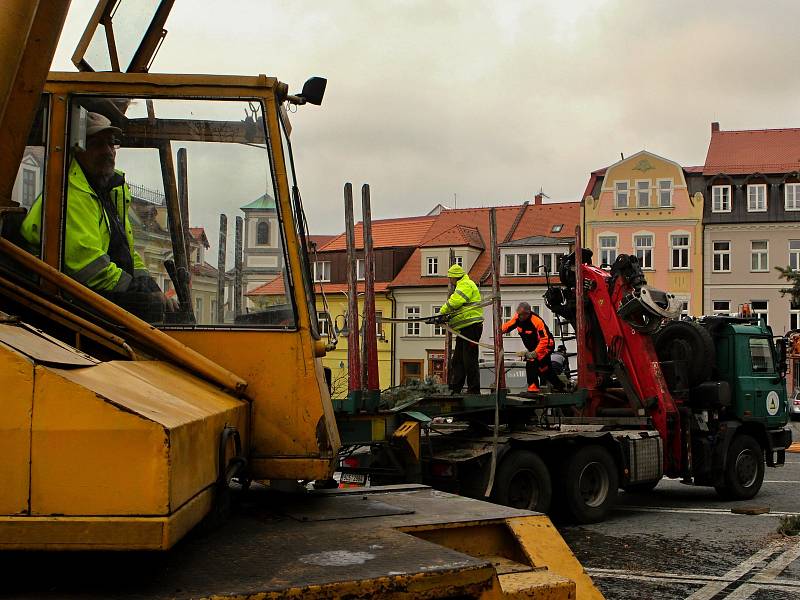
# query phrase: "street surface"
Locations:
[[681, 541]]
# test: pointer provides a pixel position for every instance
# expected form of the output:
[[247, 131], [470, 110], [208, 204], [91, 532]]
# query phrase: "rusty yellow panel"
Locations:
[[203, 410], [103, 533], [546, 548], [539, 585], [293, 425], [92, 457], [16, 383], [410, 432]]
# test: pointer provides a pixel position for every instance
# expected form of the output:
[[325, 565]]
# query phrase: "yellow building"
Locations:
[[641, 205]]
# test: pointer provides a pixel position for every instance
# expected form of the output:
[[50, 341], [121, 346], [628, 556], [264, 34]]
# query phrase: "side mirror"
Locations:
[[77, 128], [314, 90], [783, 363]]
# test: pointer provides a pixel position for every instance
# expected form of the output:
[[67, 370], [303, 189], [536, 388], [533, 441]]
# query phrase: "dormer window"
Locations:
[[557, 228], [433, 265]]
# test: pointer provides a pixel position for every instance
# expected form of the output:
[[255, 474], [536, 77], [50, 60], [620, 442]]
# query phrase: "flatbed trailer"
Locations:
[[394, 541]]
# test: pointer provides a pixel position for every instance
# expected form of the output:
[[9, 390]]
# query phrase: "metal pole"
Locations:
[[237, 269], [448, 337], [371, 333], [580, 314], [353, 351], [183, 197], [223, 248], [497, 310]]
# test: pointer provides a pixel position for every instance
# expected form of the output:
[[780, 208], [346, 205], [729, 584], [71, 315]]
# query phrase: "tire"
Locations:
[[590, 484], [523, 481], [690, 342], [744, 469]]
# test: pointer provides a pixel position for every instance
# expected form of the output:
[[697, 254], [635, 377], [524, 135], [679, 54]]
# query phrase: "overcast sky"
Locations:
[[491, 100]]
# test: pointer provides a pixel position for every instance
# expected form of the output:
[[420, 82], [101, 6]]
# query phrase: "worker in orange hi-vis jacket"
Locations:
[[539, 345]]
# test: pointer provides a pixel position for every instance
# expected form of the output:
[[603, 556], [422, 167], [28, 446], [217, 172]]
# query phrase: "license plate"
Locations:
[[353, 478]]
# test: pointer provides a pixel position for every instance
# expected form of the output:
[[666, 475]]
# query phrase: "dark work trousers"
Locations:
[[464, 363], [538, 371]]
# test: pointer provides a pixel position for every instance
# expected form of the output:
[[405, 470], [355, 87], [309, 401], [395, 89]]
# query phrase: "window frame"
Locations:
[[413, 328], [361, 269], [266, 224], [603, 249], [770, 370], [765, 311], [659, 190], [322, 323], [650, 247], [436, 330], [720, 253], [626, 193], [717, 311], [794, 253], [687, 248], [729, 189], [649, 191], [314, 271], [764, 252], [432, 261], [795, 187], [756, 186]]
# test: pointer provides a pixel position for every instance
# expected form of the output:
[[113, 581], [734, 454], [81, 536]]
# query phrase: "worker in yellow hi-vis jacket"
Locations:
[[465, 316]]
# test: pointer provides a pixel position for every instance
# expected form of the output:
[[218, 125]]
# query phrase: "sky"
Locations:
[[473, 103]]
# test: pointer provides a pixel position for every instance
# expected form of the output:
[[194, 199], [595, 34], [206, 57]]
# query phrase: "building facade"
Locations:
[[642, 205], [751, 180]]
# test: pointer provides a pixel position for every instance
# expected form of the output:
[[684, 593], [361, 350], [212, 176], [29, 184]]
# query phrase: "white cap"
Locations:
[[95, 123]]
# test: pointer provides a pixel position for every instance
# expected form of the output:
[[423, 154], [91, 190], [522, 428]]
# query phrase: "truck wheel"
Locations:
[[523, 481], [744, 469], [689, 342], [590, 484]]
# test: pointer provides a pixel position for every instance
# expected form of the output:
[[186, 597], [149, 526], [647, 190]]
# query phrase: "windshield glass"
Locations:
[[196, 162]]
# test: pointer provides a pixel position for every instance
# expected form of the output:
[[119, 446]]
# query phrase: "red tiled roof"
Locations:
[[205, 269], [693, 169], [458, 235], [753, 151], [199, 233], [333, 288], [537, 220], [320, 240], [387, 233], [274, 287]]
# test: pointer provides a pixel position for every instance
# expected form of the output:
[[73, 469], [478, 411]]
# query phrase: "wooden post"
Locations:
[[371, 381], [497, 310], [237, 268], [580, 315], [448, 337], [221, 252], [353, 351], [183, 198]]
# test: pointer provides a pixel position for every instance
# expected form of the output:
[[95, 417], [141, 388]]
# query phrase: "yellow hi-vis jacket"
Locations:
[[460, 301], [87, 234]]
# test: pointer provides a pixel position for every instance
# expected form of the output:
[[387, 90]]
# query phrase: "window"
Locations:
[[522, 264], [322, 323], [621, 194], [643, 248], [721, 307], [794, 319], [684, 308], [608, 249], [759, 256], [198, 308], [665, 192], [643, 194], [721, 198], [794, 255], [760, 309], [511, 264], [433, 265], [679, 244], [28, 187], [792, 196], [360, 268], [379, 324], [262, 233], [507, 311], [547, 261], [722, 257], [412, 327], [436, 329], [557, 228], [213, 310], [458, 260], [761, 356], [757, 197], [322, 270]]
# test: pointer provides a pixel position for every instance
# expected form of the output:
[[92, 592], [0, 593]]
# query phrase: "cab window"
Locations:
[[149, 182], [761, 356]]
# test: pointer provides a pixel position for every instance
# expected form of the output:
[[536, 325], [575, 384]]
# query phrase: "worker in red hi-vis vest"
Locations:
[[539, 345]]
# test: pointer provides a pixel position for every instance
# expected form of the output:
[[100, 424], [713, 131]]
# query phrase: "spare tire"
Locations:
[[691, 343]]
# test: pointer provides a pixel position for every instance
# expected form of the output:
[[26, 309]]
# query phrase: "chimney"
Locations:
[[714, 127], [537, 199]]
